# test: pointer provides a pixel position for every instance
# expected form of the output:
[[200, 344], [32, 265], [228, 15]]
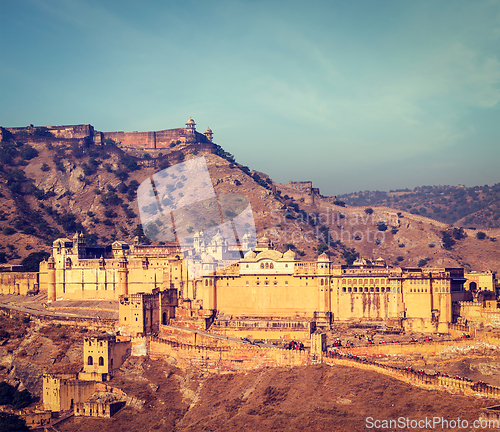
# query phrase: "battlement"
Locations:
[[299, 190], [166, 138]]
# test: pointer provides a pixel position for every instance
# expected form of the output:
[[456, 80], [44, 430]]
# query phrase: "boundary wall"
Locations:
[[420, 379], [429, 348], [19, 282]]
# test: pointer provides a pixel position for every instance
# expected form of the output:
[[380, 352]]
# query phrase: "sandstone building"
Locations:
[[144, 140], [265, 289], [76, 271]]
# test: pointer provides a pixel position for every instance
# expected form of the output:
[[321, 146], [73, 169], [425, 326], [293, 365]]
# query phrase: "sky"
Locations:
[[364, 95]]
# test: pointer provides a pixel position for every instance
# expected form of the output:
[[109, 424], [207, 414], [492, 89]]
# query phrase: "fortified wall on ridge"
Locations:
[[141, 140]]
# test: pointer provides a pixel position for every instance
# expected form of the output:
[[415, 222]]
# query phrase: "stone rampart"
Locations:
[[86, 132], [234, 357], [88, 323], [421, 379], [154, 139], [19, 282], [426, 348]]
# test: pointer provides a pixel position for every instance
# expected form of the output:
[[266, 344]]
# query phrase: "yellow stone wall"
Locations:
[[142, 314], [61, 392], [101, 355], [419, 299], [18, 282], [276, 295], [266, 283], [482, 281], [122, 271]]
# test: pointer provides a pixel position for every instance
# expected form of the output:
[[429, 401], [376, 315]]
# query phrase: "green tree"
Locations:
[[6, 393], [32, 262], [21, 399], [322, 248], [28, 152], [480, 235], [12, 423]]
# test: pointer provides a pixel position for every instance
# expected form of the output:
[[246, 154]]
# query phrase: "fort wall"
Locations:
[[61, 392], [19, 282], [430, 382], [97, 409], [232, 357], [144, 140], [37, 418], [427, 348]]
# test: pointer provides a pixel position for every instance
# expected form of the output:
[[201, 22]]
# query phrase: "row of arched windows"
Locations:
[[363, 281], [366, 289], [267, 265]]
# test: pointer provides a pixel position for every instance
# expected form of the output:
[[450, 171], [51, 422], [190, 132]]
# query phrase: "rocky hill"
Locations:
[[51, 187], [477, 206]]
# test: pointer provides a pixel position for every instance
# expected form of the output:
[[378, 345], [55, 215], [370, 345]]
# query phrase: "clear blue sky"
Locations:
[[359, 95]]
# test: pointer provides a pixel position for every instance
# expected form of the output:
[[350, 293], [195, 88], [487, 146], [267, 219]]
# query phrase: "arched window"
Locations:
[[267, 265], [271, 266], [261, 265], [90, 361], [101, 361], [164, 318], [322, 282], [206, 282]]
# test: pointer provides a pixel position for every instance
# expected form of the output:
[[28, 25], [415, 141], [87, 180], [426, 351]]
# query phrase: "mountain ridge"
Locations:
[[53, 187]]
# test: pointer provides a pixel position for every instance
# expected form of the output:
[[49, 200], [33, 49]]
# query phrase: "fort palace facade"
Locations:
[[266, 286]]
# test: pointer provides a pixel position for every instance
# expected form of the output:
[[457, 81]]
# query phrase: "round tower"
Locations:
[[123, 277], [209, 134], [209, 271], [51, 279], [190, 130], [323, 279]]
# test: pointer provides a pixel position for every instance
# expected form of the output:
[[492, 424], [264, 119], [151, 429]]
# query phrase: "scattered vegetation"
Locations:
[[478, 205], [10, 396]]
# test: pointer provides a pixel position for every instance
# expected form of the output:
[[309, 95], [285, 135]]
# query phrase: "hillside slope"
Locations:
[[51, 188], [477, 206]]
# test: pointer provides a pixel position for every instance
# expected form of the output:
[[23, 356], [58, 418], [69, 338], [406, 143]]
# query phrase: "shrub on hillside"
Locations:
[[28, 152], [32, 262], [12, 423]]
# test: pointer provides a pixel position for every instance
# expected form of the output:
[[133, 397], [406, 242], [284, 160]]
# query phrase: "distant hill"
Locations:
[[477, 206]]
